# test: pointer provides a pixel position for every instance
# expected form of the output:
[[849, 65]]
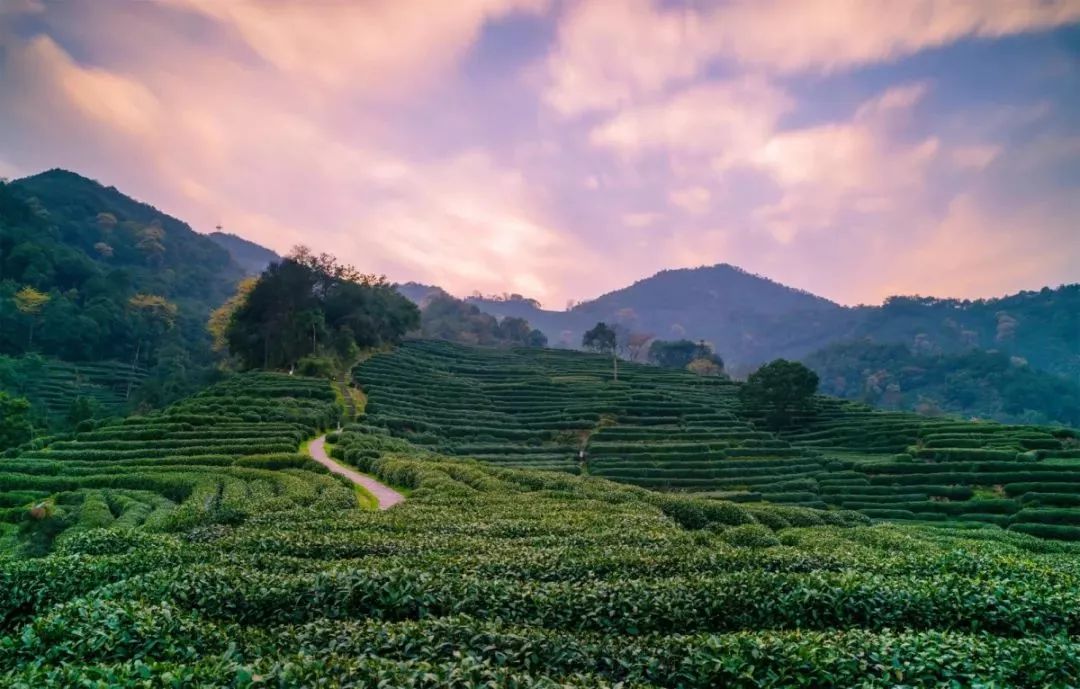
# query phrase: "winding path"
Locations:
[[387, 496]]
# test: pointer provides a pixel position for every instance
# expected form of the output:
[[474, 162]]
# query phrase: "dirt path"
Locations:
[[387, 496]]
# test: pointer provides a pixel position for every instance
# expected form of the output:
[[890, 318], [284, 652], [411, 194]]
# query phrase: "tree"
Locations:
[[514, 330], [152, 242], [15, 427], [221, 316], [537, 339], [152, 317], [30, 302], [673, 353], [705, 367], [602, 339], [779, 389], [312, 305]]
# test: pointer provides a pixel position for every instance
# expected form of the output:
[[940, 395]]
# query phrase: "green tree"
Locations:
[[514, 330], [15, 426], [672, 353], [152, 316], [603, 339], [81, 409], [309, 305], [30, 302], [778, 390]]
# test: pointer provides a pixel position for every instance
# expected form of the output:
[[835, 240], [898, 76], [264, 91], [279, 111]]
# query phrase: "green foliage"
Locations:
[[308, 304], [973, 383], [177, 566], [600, 338], [15, 426], [82, 251], [447, 318], [316, 367], [781, 388]]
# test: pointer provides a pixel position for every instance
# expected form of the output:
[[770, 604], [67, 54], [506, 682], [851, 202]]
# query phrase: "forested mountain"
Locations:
[[750, 319], [88, 274], [976, 382], [253, 258]]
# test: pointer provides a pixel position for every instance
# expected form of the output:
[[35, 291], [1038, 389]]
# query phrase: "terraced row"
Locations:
[[216, 457], [671, 430]]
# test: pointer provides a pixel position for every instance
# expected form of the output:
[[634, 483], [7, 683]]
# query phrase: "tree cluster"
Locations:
[[685, 354], [446, 318], [312, 305], [779, 391]]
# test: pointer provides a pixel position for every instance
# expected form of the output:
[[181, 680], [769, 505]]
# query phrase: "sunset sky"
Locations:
[[563, 149]]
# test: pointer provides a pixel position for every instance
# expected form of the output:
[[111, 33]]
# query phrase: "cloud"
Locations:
[[389, 47], [41, 73], [693, 200], [825, 35], [653, 140], [974, 251], [614, 53], [725, 119]]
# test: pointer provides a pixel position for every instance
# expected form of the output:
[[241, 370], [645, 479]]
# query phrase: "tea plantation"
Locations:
[[197, 548], [672, 430], [53, 385]]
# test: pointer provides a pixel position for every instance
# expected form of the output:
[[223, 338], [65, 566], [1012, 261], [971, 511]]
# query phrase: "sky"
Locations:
[[561, 148]]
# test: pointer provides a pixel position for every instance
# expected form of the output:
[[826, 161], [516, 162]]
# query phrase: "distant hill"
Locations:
[[746, 317], [419, 293], [1014, 358], [252, 257]]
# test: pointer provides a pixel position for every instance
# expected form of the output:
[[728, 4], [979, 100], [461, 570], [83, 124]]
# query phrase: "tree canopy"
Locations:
[[778, 390], [310, 305], [681, 353], [600, 338], [15, 427], [445, 317]]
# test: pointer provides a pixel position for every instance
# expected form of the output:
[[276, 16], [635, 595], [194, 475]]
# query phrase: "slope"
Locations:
[[672, 430], [252, 257], [488, 576]]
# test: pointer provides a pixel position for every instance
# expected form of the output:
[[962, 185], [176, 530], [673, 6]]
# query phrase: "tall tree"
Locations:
[[221, 316], [152, 317], [778, 390], [15, 427], [603, 339], [30, 302]]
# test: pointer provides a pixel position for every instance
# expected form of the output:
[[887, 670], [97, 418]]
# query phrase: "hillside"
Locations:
[[252, 257], [672, 430], [194, 547], [91, 276], [750, 320], [976, 382]]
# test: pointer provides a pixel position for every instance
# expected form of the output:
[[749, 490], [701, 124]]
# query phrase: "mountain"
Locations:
[[88, 274], [1014, 358], [252, 257], [746, 317]]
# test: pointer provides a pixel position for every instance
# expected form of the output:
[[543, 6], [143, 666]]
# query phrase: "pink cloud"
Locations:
[[615, 53]]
